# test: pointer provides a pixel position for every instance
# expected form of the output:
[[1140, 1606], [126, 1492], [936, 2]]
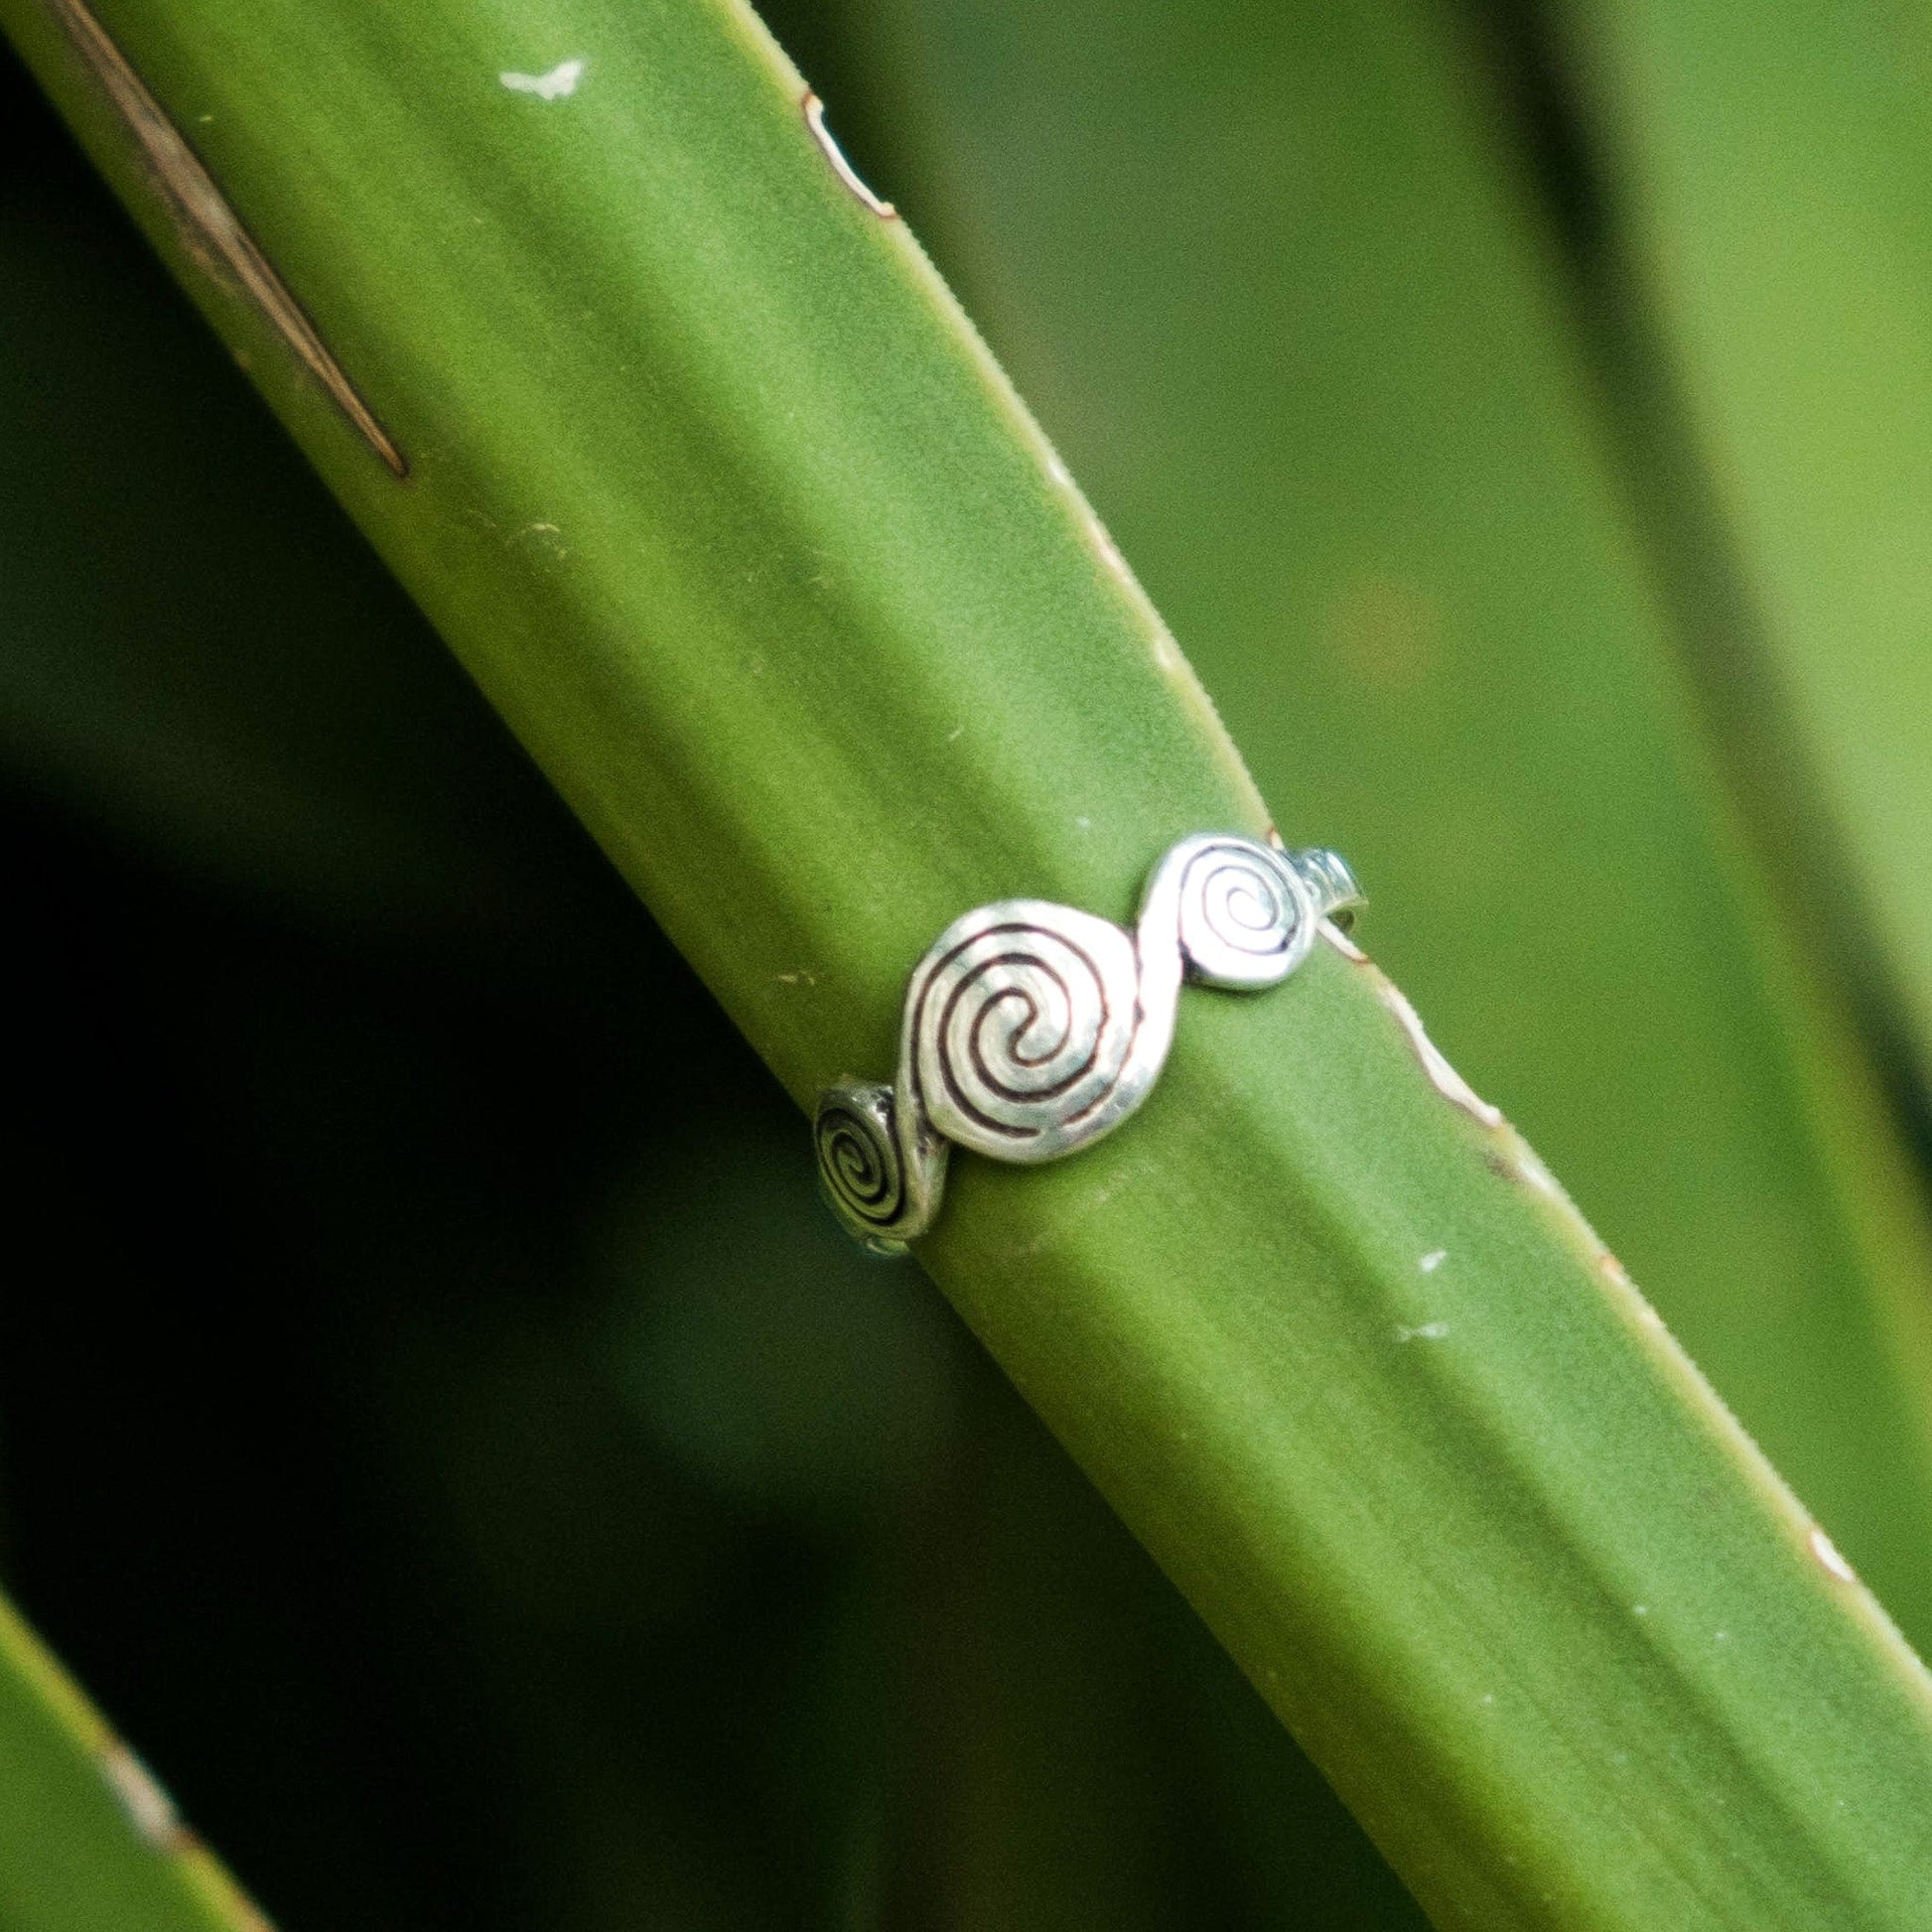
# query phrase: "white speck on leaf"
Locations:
[[1539, 1177], [1433, 1260], [149, 1809], [1109, 550], [557, 84], [1443, 1076], [815, 120], [1429, 1331], [1826, 1551], [1085, 824], [1640, 1609]]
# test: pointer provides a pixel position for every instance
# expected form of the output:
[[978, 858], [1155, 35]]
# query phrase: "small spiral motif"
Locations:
[[1246, 918], [860, 1160], [1031, 1028]]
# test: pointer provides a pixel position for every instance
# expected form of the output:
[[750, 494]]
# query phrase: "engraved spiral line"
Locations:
[[1031, 1029], [866, 1164], [1022, 1027]]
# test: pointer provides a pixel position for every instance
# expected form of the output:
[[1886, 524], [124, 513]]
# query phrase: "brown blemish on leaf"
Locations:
[[210, 227]]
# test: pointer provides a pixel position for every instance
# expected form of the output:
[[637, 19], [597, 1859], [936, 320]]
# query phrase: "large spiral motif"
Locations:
[[1021, 1026], [1031, 1029]]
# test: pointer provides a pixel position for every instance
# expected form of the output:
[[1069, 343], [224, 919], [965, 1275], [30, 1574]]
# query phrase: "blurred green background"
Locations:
[[489, 1499]]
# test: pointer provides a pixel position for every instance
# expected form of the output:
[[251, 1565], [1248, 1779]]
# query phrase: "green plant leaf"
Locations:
[[719, 498], [203, 657], [1086, 1757], [1774, 172], [1269, 275]]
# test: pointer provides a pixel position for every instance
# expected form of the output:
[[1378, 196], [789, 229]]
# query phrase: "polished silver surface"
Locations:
[[1031, 1029]]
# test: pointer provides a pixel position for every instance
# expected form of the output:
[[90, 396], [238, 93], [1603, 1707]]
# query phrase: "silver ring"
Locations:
[[1031, 1029]]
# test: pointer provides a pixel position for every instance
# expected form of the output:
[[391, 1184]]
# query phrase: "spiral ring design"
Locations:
[[1031, 1028], [1246, 918], [882, 1185], [1022, 1022], [860, 1160]]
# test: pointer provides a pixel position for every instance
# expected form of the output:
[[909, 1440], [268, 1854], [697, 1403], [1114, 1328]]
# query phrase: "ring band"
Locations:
[[1030, 1030]]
